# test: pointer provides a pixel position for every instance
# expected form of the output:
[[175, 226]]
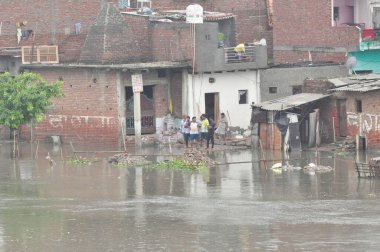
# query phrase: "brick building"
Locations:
[[98, 54], [357, 110], [323, 30]]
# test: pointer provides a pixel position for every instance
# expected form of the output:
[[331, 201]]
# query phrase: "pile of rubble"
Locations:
[[127, 160], [236, 141], [194, 157]]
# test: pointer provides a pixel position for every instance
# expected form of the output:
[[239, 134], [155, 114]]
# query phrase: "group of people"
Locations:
[[203, 129]]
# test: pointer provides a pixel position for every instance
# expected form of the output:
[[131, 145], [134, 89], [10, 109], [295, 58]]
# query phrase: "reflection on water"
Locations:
[[239, 207]]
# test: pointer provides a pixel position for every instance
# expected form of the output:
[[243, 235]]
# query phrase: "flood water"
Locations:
[[236, 207]]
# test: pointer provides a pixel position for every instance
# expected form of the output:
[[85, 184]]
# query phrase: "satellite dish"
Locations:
[[351, 63]]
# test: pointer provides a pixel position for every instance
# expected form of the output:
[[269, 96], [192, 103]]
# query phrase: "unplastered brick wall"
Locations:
[[318, 86], [89, 110], [116, 38], [51, 20], [284, 57], [139, 35], [176, 92], [161, 101], [170, 41], [300, 26], [367, 122]]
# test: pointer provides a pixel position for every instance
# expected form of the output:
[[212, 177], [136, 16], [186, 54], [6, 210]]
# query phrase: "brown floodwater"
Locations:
[[233, 207]]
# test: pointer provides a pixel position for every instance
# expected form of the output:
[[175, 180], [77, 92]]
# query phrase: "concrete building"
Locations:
[[282, 81], [231, 93]]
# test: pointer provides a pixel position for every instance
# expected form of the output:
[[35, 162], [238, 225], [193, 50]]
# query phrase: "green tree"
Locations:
[[24, 98]]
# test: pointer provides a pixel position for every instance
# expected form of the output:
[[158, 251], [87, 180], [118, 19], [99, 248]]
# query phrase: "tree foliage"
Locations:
[[25, 97]]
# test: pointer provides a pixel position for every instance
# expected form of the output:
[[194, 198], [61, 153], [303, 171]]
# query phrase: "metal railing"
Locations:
[[369, 40], [231, 56], [146, 122]]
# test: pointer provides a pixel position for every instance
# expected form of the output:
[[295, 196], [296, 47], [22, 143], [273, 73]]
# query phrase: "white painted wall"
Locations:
[[227, 84], [363, 13]]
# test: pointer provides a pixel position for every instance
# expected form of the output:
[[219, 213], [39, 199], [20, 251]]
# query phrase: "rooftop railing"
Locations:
[[370, 39], [234, 55]]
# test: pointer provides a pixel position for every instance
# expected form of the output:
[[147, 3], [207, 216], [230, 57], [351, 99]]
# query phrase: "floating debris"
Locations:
[[313, 168], [279, 167]]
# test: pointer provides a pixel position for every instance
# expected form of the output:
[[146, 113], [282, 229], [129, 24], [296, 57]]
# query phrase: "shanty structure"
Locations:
[[358, 105], [288, 122]]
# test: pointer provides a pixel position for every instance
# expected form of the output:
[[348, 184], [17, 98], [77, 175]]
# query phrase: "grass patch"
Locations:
[[81, 160], [179, 164]]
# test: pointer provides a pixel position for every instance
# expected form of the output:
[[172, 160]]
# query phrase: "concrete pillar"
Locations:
[[190, 95], [258, 86], [185, 103], [121, 109], [137, 118]]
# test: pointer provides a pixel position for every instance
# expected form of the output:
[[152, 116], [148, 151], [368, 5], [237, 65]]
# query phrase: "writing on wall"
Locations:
[[61, 121], [364, 122]]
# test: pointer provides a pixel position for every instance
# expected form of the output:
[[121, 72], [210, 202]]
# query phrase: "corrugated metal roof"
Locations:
[[289, 101], [364, 83]]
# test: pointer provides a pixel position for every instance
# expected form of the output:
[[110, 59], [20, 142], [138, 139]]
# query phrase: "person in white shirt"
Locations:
[[194, 131]]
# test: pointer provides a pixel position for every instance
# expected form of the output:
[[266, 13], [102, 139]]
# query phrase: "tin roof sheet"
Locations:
[[289, 101], [364, 83]]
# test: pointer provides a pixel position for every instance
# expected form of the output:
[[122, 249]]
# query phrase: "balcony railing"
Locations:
[[233, 56]]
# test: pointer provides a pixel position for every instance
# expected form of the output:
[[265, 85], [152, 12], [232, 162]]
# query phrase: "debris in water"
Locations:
[[313, 168], [127, 160], [277, 166]]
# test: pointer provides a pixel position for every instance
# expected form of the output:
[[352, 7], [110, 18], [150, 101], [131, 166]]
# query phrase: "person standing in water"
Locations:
[[211, 130], [222, 127]]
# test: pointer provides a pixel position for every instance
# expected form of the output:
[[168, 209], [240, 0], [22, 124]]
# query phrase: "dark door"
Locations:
[[295, 138], [148, 119], [342, 115], [212, 105]]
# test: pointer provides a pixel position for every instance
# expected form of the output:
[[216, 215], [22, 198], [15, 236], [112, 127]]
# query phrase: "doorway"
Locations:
[[342, 114], [148, 118], [212, 105]]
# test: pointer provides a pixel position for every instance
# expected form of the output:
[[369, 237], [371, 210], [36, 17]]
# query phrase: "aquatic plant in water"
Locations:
[[81, 160]]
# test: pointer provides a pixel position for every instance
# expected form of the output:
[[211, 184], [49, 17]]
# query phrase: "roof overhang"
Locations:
[[364, 83], [290, 102]]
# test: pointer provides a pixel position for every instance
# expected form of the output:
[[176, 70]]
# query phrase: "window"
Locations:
[[243, 96], [207, 37], [273, 90], [336, 13], [296, 90], [39, 54], [358, 106], [123, 4]]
